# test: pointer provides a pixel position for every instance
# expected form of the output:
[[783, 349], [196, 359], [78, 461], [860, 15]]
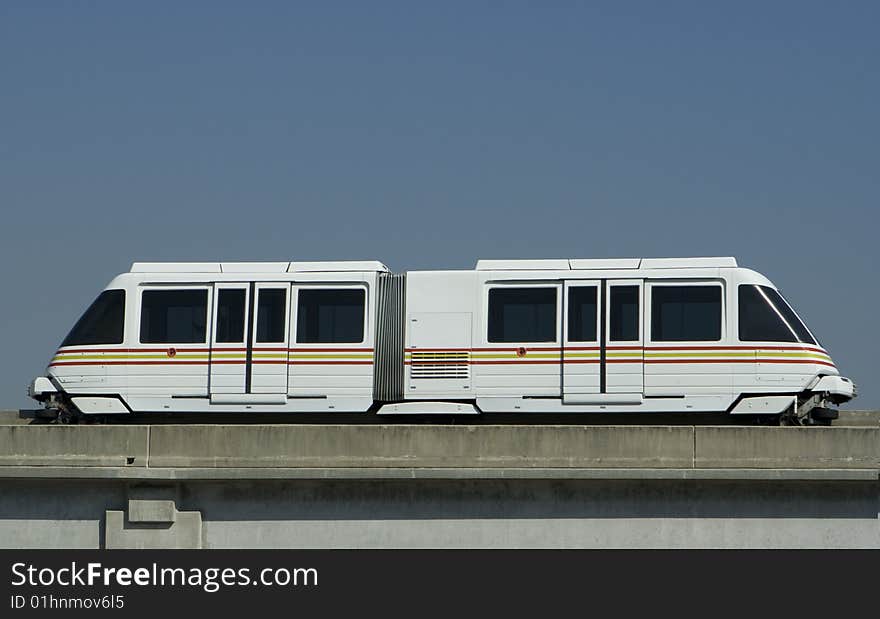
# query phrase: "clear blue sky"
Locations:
[[428, 135]]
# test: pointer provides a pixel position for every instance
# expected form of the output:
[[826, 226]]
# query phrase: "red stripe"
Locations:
[[129, 363], [699, 360], [446, 349], [522, 362], [812, 361], [218, 362], [685, 361], [216, 349], [315, 362], [304, 350], [69, 351], [792, 348], [509, 349]]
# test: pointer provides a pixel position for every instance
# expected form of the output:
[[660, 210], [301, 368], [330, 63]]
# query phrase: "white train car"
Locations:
[[531, 336]]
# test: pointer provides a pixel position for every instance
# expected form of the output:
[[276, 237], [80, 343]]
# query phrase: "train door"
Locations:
[[229, 339], [623, 359], [581, 367], [270, 326], [603, 360], [249, 343]]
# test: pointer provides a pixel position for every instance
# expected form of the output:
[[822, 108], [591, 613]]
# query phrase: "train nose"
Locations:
[[839, 388], [40, 388]]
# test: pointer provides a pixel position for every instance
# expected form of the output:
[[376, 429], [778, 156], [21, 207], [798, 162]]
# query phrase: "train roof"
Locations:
[[259, 267], [563, 264], [578, 264]]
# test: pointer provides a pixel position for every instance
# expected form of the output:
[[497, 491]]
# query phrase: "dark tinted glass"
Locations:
[[582, 309], [788, 314], [271, 310], [330, 316], [230, 315], [764, 316], [522, 315], [686, 313], [102, 323], [758, 320], [173, 316], [624, 310]]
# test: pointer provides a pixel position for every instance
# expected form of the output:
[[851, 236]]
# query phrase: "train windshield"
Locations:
[[102, 323], [765, 316]]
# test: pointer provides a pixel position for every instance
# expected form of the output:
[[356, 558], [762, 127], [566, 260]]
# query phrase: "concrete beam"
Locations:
[[253, 474], [787, 447], [329, 446], [170, 449], [44, 445]]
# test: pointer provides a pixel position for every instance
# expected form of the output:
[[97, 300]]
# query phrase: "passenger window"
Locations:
[[330, 316], [582, 313], [102, 322], [174, 316], [624, 310], [271, 314], [685, 313], [522, 315], [230, 315], [764, 316]]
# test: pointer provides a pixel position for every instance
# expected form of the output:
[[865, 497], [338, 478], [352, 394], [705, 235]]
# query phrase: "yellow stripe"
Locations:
[[742, 355], [190, 356], [344, 357], [655, 355]]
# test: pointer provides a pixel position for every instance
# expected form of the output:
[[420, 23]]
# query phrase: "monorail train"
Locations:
[[530, 336]]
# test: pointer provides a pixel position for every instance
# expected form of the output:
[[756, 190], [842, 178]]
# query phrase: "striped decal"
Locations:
[[172, 356], [634, 354], [331, 356], [477, 356]]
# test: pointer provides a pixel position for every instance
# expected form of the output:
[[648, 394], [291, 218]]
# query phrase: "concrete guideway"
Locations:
[[437, 447], [444, 486]]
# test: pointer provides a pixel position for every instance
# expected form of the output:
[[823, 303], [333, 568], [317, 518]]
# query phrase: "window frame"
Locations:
[[625, 283], [122, 340], [556, 285], [258, 288], [217, 287], [596, 284], [294, 314], [678, 283], [208, 288], [797, 338]]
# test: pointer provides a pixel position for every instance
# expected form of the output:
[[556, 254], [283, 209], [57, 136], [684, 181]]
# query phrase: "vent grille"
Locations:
[[391, 308], [440, 364]]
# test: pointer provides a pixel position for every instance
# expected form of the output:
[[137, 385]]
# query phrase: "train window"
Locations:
[[230, 315], [102, 322], [330, 316], [624, 314], [522, 315], [582, 313], [174, 316], [685, 313], [271, 314], [764, 316]]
